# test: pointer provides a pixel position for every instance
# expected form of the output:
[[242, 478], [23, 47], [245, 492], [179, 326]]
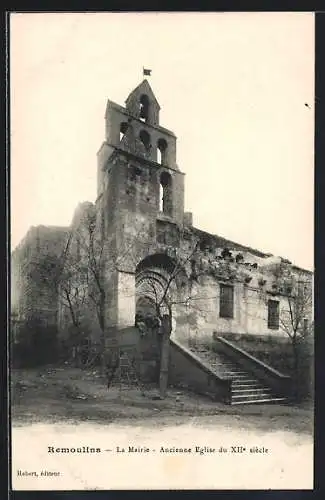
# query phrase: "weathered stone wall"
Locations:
[[253, 285], [34, 266], [201, 317]]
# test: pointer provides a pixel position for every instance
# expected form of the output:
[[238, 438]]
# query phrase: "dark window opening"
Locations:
[[165, 193], [145, 139], [123, 128], [161, 152], [226, 301], [273, 315], [144, 108], [302, 290]]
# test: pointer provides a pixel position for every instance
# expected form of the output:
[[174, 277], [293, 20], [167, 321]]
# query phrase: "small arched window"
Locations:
[[165, 194], [144, 108], [161, 152], [145, 139], [123, 128]]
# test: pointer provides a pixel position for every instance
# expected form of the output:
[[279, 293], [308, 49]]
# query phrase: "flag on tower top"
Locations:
[[146, 72]]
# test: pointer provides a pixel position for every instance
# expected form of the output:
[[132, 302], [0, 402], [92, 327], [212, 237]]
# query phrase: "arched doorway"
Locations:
[[155, 289], [154, 284]]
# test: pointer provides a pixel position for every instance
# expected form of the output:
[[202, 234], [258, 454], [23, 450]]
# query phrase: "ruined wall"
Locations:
[[34, 265], [255, 280]]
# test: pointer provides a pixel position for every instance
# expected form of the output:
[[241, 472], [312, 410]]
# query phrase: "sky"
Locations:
[[237, 89]]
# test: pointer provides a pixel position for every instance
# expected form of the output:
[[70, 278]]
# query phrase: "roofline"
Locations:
[[24, 239], [298, 268], [258, 253], [139, 85], [254, 251]]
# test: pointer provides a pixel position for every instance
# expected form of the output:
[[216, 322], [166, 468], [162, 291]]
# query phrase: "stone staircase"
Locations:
[[245, 388]]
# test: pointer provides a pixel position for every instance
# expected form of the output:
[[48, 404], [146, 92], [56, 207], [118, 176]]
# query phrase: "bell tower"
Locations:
[[139, 186]]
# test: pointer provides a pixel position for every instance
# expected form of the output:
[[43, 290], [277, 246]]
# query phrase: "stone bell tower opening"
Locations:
[[162, 152], [144, 108], [123, 129], [145, 139], [165, 194]]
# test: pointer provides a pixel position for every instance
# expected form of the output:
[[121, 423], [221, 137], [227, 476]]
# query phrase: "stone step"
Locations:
[[248, 378], [223, 366], [250, 392], [238, 377], [251, 397], [256, 401], [245, 388], [228, 369], [240, 380], [251, 385], [235, 372]]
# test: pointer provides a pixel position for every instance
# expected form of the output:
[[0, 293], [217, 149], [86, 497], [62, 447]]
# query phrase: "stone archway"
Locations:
[[154, 289], [152, 282], [152, 277]]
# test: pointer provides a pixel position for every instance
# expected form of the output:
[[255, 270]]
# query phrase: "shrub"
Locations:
[[36, 345]]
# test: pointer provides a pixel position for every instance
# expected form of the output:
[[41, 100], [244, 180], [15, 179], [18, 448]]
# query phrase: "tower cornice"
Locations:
[[135, 157]]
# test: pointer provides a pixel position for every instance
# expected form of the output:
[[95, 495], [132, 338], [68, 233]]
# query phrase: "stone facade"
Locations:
[[145, 248]]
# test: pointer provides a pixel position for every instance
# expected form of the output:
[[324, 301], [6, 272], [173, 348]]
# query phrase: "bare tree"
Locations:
[[73, 293], [296, 318], [81, 282], [90, 261], [92, 249]]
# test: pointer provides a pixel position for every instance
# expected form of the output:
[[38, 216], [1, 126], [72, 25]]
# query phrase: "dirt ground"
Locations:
[[71, 395]]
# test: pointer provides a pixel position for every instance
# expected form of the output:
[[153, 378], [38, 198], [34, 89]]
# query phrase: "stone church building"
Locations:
[[134, 252]]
